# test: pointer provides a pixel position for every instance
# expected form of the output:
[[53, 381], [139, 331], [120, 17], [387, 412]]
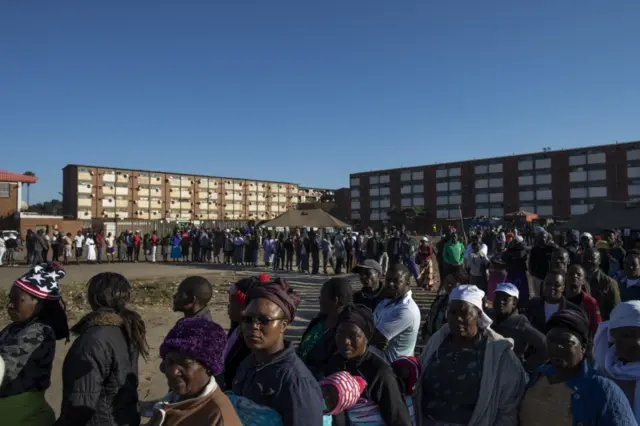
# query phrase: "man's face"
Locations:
[[609, 237], [560, 260], [575, 281], [591, 260]]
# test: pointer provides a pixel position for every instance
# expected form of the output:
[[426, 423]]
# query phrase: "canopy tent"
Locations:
[[316, 218], [522, 215], [607, 215]]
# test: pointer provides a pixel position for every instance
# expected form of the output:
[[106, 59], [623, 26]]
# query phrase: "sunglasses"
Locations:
[[259, 319]]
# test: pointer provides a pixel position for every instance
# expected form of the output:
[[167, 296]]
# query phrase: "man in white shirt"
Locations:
[[483, 247], [397, 317], [78, 242]]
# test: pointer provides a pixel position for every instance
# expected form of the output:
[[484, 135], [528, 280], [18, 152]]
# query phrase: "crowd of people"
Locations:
[[499, 350]]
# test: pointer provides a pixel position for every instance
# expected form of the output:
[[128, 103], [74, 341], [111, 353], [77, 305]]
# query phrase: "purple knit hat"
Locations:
[[200, 339]]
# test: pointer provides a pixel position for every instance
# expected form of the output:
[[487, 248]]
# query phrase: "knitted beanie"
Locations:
[[197, 338], [349, 389], [42, 281]]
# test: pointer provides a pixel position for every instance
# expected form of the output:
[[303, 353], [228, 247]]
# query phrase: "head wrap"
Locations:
[[200, 339], [508, 288], [473, 295], [359, 315], [626, 314], [572, 320], [278, 292], [264, 278], [349, 389], [42, 281], [415, 370]]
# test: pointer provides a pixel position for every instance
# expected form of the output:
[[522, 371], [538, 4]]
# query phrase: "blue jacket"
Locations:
[[283, 383], [597, 400]]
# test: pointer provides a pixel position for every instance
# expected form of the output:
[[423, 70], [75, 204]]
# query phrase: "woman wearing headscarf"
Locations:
[[236, 349], [318, 341], [176, 252], [515, 256], [470, 374], [100, 371], [568, 391], [617, 350], [191, 357], [355, 328], [28, 346], [273, 375]]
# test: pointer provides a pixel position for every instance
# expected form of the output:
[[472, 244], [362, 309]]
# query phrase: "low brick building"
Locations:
[[11, 191]]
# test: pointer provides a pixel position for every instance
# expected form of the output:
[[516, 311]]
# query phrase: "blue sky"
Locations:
[[308, 91]]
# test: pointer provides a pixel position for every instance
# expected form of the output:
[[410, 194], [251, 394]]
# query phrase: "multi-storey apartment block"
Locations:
[[93, 192], [315, 195], [556, 184]]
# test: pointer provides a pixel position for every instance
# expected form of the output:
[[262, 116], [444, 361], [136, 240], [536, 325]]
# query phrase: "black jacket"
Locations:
[[535, 312], [530, 345], [100, 375], [368, 299], [540, 261], [317, 358], [283, 383], [382, 387]]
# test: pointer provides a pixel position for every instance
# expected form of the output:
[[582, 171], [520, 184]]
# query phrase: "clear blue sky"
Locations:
[[309, 91]]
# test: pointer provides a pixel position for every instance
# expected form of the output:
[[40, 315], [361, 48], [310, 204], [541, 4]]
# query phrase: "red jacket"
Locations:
[[137, 239], [590, 306]]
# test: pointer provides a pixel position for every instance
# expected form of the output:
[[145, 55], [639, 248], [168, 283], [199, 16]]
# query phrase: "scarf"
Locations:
[[626, 314]]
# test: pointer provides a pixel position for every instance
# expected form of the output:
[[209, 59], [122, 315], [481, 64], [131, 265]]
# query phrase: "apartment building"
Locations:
[[95, 192], [557, 184], [315, 195]]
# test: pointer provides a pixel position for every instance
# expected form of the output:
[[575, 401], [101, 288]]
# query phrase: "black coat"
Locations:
[[100, 375], [237, 353], [382, 387], [529, 343], [317, 358], [535, 312]]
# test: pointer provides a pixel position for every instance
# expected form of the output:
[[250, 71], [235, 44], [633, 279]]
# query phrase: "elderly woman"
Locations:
[[617, 350], [191, 356], [355, 328], [318, 341], [470, 374], [568, 391], [273, 375]]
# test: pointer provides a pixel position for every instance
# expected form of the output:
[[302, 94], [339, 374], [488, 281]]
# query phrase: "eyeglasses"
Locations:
[[259, 319]]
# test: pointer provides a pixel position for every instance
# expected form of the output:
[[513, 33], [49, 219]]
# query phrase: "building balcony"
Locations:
[[85, 188], [109, 214], [144, 180], [85, 202], [84, 214], [109, 178], [108, 203], [173, 181], [122, 214], [122, 203], [185, 205], [142, 204], [155, 214], [185, 193], [109, 190], [85, 176], [122, 190], [143, 192]]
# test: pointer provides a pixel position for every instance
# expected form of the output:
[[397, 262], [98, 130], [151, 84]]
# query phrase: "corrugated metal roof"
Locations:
[[6, 176]]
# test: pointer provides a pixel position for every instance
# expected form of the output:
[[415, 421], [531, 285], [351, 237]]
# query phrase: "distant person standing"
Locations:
[[78, 243]]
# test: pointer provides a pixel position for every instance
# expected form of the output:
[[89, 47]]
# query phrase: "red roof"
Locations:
[[6, 176]]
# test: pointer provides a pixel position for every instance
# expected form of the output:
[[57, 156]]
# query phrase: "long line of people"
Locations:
[[489, 359]]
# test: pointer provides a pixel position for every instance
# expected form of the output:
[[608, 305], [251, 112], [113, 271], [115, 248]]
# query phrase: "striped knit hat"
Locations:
[[349, 389], [42, 281], [408, 369]]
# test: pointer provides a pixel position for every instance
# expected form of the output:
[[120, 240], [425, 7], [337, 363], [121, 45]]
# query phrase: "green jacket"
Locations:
[[453, 253], [606, 291]]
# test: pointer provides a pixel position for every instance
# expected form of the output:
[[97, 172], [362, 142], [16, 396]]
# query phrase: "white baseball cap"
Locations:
[[508, 288]]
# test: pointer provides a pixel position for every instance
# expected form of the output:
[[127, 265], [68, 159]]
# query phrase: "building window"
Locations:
[[385, 203], [454, 213], [5, 190], [634, 189], [384, 178], [599, 174], [578, 176], [527, 196], [496, 197], [633, 154], [418, 201], [577, 209], [482, 183], [495, 168], [374, 180], [597, 192], [482, 198], [543, 163], [482, 212], [375, 191], [405, 189], [578, 160], [442, 200], [375, 204], [481, 170], [384, 190], [579, 192], [543, 194], [442, 186], [455, 199], [441, 173], [454, 172], [417, 175], [525, 180], [355, 181], [496, 211], [543, 179], [525, 165], [442, 213], [405, 202], [633, 172], [455, 185], [405, 176], [596, 158], [419, 189], [495, 183], [544, 210]]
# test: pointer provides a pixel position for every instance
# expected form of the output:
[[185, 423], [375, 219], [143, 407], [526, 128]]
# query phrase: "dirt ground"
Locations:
[[154, 306]]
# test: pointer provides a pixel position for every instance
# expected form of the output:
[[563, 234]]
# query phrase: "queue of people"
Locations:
[[565, 355]]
